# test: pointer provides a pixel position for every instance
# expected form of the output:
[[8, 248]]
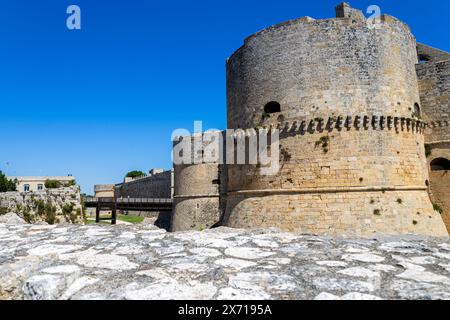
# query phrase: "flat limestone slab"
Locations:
[[143, 262]]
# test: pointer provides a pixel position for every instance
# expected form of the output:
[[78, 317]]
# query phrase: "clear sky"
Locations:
[[104, 100]]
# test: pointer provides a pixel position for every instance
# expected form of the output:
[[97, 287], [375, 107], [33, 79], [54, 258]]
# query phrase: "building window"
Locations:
[[440, 164], [40, 187], [272, 107], [26, 188]]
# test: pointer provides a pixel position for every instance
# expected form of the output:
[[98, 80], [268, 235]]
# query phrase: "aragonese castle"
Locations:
[[363, 117]]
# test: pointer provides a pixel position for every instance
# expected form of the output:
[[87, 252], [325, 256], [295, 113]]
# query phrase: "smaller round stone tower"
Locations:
[[197, 204]]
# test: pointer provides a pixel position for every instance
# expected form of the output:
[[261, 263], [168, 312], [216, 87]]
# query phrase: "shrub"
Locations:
[[427, 150], [3, 211], [438, 208], [26, 213], [70, 214], [53, 184], [70, 183], [6, 184], [40, 207], [50, 213], [27, 216], [324, 143], [264, 116], [68, 208], [135, 174]]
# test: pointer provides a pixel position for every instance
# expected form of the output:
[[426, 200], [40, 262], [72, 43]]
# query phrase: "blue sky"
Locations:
[[104, 100]]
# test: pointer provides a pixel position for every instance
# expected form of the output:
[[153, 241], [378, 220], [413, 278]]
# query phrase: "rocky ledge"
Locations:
[[142, 262]]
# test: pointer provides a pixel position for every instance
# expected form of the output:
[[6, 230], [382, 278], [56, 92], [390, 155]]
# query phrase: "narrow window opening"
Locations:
[[417, 111], [26, 188]]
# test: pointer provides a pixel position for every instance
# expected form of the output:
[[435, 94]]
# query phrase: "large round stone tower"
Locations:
[[343, 93]]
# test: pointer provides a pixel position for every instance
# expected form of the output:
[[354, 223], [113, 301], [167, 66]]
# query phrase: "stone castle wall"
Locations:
[[434, 85], [155, 186], [30, 205], [440, 181]]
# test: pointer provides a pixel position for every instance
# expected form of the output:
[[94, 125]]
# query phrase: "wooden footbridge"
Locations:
[[126, 204]]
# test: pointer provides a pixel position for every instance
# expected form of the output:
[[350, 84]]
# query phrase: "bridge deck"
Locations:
[[127, 204]]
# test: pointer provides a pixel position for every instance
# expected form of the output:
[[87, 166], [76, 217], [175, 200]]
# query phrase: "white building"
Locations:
[[32, 184]]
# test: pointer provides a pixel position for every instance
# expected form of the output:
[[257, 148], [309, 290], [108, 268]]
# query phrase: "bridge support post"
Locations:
[[114, 214], [97, 214]]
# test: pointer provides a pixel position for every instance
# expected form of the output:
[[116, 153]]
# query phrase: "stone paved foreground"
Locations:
[[142, 262]]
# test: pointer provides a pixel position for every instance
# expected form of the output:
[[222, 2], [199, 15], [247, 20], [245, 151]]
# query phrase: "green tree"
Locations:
[[6, 184], [52, 184], [135, 174], [70, 183]]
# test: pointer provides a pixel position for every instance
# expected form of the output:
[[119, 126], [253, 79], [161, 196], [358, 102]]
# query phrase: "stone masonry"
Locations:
[[434, 85], [157, 185], [345, 98], [54, 206]]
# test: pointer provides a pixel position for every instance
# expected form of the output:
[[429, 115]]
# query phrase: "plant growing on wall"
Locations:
[[264, 117], [53, 184], [323, 142], [427, 150], [135, 174], [71, 183], [285, 155], [438, 208]]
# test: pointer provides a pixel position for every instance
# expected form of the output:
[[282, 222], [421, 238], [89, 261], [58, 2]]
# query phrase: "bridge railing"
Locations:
[[127, 200], [143, 200]]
